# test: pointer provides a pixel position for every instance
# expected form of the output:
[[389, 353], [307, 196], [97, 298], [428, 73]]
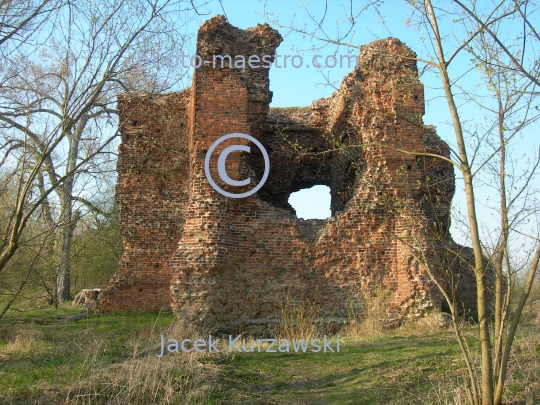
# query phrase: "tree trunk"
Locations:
[[479, 265], [68, 220], [63, 284]]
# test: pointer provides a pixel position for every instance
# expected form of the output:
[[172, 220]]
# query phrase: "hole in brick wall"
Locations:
[[312, 203], [140, 289]]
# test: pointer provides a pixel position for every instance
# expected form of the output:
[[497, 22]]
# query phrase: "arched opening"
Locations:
[[312, 203]]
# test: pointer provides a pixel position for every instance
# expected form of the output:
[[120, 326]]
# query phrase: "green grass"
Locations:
[[45, 354], [49, 348], [362, 372]]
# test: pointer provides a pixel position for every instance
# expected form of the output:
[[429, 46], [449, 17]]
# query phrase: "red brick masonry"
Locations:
[[231, 262]]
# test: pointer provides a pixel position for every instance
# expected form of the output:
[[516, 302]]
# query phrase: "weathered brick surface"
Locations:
[[152, 191], [231, 261]]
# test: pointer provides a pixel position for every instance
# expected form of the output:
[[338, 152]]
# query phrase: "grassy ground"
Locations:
[[62, 357], [389, 371]]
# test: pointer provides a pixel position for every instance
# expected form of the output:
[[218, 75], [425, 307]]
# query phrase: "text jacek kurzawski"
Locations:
[[237, 344]]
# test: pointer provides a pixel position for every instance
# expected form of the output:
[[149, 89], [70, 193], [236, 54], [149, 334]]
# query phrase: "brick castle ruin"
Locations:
[[232, 262]]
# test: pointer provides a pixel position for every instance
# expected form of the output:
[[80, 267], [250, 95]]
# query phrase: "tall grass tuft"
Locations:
[[368, 315], [298, 320], [144, 378]]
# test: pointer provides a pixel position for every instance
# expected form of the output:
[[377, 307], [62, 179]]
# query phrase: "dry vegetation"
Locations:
[[93, 367], [144, 378], [113, 360]]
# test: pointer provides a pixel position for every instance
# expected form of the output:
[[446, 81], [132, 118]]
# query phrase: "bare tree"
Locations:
[[57, 106], [19, 19]]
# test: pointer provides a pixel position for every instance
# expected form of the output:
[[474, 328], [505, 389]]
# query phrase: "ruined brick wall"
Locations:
[[151, 192], [231, 262]]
